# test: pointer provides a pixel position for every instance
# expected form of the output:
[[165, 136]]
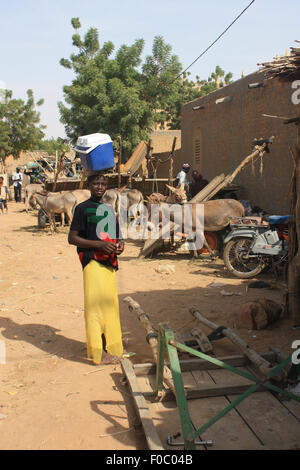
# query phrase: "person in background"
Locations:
[[17, 179], [182, 176], [197, 184], [3, 195], [98, 250]]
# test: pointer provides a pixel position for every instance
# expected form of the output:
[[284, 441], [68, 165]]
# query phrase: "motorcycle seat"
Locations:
[[278, 219]]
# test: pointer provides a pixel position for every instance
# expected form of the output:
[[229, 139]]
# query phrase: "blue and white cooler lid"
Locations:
[[91, 141]]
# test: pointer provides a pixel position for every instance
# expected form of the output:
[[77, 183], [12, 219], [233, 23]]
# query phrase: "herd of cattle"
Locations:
[[217, 213]]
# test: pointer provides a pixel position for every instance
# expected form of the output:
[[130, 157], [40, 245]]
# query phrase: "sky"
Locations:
[[36, 34]]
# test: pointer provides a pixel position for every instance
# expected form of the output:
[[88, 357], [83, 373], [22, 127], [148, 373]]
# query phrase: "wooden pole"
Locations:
[[59, 168], [172, 163], [83, 175], [119, 162], [46, 162], [260, 150], [40, 166], [153, 342], [262, 365]]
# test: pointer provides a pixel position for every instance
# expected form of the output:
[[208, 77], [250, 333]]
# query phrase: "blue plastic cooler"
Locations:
[[96, 152]]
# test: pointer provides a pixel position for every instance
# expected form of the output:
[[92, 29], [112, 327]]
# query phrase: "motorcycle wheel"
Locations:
[[237, 262]]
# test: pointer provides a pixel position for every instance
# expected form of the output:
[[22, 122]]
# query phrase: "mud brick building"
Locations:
[[218, 130], [162, 141]]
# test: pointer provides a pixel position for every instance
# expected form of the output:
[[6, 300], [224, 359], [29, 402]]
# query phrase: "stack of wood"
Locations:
[[286, 67]]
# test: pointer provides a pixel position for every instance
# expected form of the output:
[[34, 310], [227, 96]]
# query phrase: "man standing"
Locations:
[[17, 179], [95, 232], [197, 184], [182, 176]]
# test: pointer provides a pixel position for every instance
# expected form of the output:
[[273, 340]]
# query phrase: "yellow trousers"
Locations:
[[101, 309]]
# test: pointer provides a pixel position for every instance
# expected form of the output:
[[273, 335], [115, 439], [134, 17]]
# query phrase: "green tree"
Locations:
[[161, 89], [19, 124], [52, 145], [120, 95], [106, 94]]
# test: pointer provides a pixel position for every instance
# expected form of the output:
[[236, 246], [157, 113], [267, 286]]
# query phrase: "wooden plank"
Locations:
[[151, 435], [272, 422], [230, 432], [193, 391], [136, 159], [293, 406], [202, 364], [166, 419], [205, 192], [209, 390], [165, 415], [155, 243], [227, 377]]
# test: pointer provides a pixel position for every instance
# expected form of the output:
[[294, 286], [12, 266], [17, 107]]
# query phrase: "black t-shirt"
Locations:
[[96, 221]]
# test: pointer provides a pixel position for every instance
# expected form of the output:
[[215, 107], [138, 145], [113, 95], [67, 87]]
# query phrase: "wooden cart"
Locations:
[[261, 422], [237, 402]]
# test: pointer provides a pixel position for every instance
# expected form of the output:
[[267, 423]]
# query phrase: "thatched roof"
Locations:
[[285, 67]]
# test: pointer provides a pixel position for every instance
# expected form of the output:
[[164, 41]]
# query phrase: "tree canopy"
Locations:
[[51, 146], [122, 95], [19, 124]]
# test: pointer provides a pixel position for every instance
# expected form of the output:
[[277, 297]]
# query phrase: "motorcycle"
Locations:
[[256, 243]]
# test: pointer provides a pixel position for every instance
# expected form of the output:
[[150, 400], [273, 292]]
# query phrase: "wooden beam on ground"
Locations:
[[153, 342], [260, 363], [213, 390], [152, 438], [202, 364]]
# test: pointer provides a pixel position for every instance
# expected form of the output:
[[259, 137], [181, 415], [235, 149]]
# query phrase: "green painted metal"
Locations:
[[186, 424], [166, 339], [226, 410], [213, 360], [160, 365]]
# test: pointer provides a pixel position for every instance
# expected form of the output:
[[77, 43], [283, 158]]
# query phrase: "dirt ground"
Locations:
[[51, 397]]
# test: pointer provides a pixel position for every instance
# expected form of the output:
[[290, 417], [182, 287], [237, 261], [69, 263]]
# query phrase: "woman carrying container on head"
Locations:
[[95, 232]]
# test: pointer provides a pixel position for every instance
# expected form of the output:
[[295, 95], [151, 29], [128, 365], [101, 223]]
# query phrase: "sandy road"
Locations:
[[51, 397]]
